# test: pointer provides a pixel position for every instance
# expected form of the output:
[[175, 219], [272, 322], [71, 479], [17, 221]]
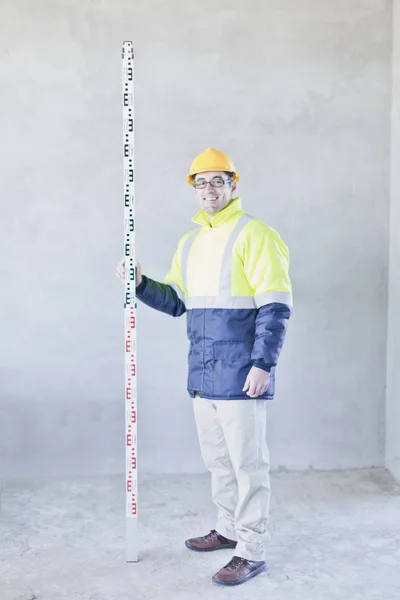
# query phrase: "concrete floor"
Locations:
[[334, 536]]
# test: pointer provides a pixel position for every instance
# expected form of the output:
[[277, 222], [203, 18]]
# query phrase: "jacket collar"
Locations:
[[221, 217]]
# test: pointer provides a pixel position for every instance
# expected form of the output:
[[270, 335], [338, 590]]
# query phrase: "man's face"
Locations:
[[214, 198]]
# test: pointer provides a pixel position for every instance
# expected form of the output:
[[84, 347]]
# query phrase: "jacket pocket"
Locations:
[[232, 363]]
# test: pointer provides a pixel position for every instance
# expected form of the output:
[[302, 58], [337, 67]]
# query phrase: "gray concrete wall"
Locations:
[[393, 354], [298, 92]]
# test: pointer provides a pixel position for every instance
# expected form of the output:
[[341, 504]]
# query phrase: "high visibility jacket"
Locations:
[[231, 277]]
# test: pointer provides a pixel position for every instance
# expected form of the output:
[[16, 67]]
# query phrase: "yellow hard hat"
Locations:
[[212, 160]]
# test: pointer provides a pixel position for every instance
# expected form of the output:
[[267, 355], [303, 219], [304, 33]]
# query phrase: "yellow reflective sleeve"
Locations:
[[174, 276], [266, 264]]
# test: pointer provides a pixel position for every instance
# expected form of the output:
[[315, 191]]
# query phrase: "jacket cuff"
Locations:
[[260, 364], [142, 286]]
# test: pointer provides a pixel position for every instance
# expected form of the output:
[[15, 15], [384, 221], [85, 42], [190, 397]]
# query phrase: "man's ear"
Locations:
[[234, 186]]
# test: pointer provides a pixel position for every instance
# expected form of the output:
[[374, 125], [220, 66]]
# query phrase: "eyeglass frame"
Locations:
[[225, 181]]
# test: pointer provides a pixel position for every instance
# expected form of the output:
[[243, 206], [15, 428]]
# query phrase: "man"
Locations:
[[230, 276]]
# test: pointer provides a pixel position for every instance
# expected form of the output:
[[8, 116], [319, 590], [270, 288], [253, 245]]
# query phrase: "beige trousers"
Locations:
[[232, 436]]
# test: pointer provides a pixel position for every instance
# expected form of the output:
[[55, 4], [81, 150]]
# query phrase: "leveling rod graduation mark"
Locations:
[[130, 305]]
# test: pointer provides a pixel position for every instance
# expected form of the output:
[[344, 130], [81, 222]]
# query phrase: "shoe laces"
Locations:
[[235, 563], [211, 535]]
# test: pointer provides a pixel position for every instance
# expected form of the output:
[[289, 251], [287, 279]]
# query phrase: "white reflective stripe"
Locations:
[[268, 297], [228, 302], [178, 290], [225, 280], [185, 256]]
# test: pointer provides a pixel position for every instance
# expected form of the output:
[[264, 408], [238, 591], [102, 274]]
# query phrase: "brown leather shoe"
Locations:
[[238, 570], [211, 541]]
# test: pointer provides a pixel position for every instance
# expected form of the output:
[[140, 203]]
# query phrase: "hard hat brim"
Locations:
[[190, 177]]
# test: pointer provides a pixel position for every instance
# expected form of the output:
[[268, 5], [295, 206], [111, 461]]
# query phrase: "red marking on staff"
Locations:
[[128, 345], [128, 394], [129, 439]]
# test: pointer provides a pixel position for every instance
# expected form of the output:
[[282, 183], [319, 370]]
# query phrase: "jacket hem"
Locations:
[[233, 398]]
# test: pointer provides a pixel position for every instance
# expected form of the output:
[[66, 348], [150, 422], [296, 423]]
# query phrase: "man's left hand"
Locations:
[[257, 382]]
